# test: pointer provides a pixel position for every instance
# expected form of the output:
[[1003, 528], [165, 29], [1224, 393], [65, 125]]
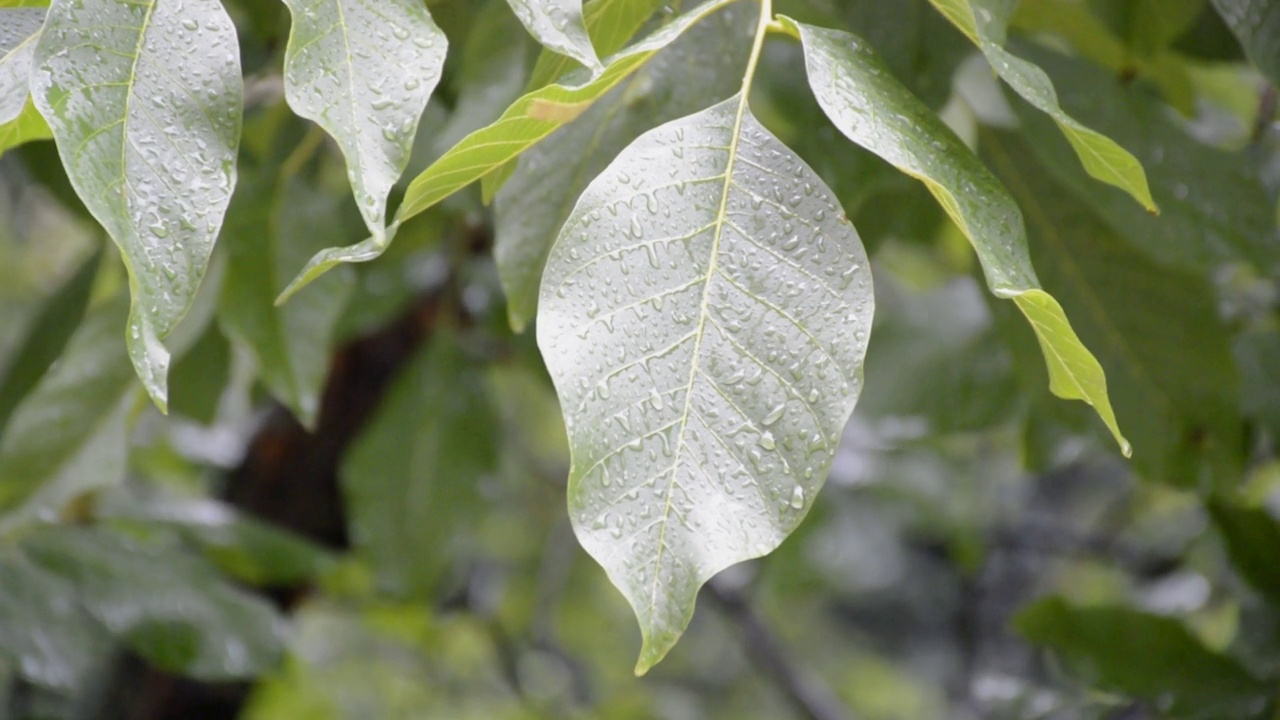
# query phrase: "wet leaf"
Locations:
[[530, 119], [1156, 329], [364, 70], [144, 100], [848, 78], [413, 477], [19, 31], [986, 22], [167, 605], [704, 315], [703, 66], [1257, 24], [558, 25], [1147, 656], [68, 435]]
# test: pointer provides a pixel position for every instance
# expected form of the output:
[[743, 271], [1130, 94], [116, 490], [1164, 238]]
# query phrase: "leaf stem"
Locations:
[[762, 29]]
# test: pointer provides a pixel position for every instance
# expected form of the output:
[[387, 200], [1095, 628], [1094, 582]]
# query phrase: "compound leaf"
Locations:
[[364, 70], [869, 106], [704, 315], [144, 100]]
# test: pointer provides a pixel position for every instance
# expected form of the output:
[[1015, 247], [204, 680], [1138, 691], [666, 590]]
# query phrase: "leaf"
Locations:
[[28, 126], [68, 435], [847, 77], [170, 607], [558, 25], [1146, 656], [1257, 24], [1156, 330], [364, 70], [1251, 535], [530, 119], [985, 22], [46, 335], [1215, 209], [704, 316], [291, 343], [144, 100], [702, 66], [200, 377], [412, 478], [1148, 26], [19, 30]]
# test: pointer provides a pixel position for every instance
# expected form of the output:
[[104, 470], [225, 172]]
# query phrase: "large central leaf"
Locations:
[[144, 100], [704, 314]]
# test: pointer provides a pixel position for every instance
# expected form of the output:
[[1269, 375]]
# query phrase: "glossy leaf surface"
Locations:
[[704, 314], [530, 119], [986, 22], [19, 30], [703, 66], [558, 25], [364, 70], [144, 100], [847, 77]]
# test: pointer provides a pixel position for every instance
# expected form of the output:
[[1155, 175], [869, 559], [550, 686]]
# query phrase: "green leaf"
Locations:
[[530, 119], [1257, 354], [700, 67], [200, 376], [27, 127], [558, 25], [45, 337], [51, 640], [848, 79], [1257, 24], [413, 477], [1252, 536], [1148, 26], [144, 100], [68, 435], [169, 606], [1215, 209], [1147, 656], [277, 220], [704, 314], [1156, 329], [364, 70], [986, 22], [19, 31]]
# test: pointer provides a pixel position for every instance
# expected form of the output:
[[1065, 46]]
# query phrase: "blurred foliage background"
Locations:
[[356, 508]]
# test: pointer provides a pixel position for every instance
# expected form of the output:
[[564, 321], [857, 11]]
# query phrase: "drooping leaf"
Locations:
[[45, 337], [872, 109], [1156, 329], [364, 70], [1146, 656], [144, 100], [52, 642], [530, 119], [704, 65], [412, 478], [1214, 207], [276, 222], [558, 25], [1257, 24], [169, 606], [986, 22], [1251, 535], [19, 30], [28, 126], [704, 314], [68, 435]]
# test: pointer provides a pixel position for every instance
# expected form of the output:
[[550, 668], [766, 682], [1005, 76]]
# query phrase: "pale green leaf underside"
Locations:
[[849, 80], [144, 100], [703, 66], [558, 25], [986, 22], [19, 31], [1257, 24], [704, 315], [364, 70], [531, 118]]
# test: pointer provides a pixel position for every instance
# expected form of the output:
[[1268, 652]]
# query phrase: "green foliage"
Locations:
[[441, 294]]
